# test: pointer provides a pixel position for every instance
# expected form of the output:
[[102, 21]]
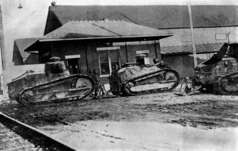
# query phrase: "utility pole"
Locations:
[[2, 58], [228, 37], [192, 34]]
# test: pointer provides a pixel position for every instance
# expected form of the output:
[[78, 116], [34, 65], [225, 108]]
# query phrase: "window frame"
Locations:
[[67, 57], [108, 49], [147, 52]]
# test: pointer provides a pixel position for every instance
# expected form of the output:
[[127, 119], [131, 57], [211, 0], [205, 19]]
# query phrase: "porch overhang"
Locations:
[[113, 39], [101, 31]]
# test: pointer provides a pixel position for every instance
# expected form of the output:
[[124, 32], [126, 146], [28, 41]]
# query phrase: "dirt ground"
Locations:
[[197, 115], [204, 111]]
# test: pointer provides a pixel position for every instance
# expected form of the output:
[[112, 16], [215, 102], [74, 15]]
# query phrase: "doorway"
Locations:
[[73, 64]]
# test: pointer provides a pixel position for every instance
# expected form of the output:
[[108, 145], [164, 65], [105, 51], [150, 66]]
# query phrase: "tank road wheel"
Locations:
[[172, 78], [27, 97], [126, 89], [19, 100], [84, 82], [228, 86]]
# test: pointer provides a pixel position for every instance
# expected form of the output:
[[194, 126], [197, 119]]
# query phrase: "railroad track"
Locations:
[[34, 136]]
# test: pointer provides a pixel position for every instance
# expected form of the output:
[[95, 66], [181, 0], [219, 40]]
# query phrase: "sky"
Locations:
[[30, 20]]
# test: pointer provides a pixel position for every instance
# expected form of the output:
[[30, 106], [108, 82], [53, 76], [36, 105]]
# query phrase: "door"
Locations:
[[73, 64]]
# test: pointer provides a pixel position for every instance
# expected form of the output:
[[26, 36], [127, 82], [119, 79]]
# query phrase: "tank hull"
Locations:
[[138, 80], [160, 81], [75, 87], [54, 85], [219, 74], [67, 89]]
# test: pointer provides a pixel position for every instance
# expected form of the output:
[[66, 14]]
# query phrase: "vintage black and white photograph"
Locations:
[[103, 75]]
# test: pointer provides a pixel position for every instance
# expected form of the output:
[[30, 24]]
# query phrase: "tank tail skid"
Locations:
[[227, 85], [72, 88], [160, 81]]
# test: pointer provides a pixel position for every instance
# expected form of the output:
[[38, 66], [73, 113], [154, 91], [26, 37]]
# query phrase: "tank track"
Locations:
[[28, 96], [227, 85], [126, 88]]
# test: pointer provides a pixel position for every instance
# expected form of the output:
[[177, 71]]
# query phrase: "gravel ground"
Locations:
[[10, 141]]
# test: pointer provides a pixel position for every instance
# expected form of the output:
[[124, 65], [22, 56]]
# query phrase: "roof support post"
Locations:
[[3, 59], [157, 50], [86, 53], [126, 52], [156, 53]]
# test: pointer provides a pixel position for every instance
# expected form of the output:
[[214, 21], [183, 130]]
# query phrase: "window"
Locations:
[[104, 62], [144, 52], [220, 36], [186, 38], [108, 57]]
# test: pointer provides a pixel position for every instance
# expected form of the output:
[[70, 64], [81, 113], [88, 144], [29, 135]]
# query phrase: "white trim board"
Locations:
[[72, 56], [107, 48]]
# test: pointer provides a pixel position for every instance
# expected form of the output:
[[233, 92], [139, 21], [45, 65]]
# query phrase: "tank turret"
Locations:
[[56, 69]]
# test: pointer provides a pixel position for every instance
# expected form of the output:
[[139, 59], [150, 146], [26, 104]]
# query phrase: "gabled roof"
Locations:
[[104, 28], [187, 49], [155, 16], [22, 44]]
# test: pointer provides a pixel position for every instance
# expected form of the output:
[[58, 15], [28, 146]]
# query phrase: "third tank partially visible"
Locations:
[[219, 74]]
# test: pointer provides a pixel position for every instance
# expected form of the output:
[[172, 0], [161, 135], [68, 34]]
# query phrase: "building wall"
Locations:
[[32, 59], [61, 49], [183, 63], [89, 56], [132, 47], [201, 35]]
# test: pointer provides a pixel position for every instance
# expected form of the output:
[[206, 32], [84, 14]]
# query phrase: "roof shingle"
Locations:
[[104, 28], [156, 16], [187, 49]]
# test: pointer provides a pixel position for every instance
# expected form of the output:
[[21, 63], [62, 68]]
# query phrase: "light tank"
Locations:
[[146, 76], [55, 84], [219, 74]]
